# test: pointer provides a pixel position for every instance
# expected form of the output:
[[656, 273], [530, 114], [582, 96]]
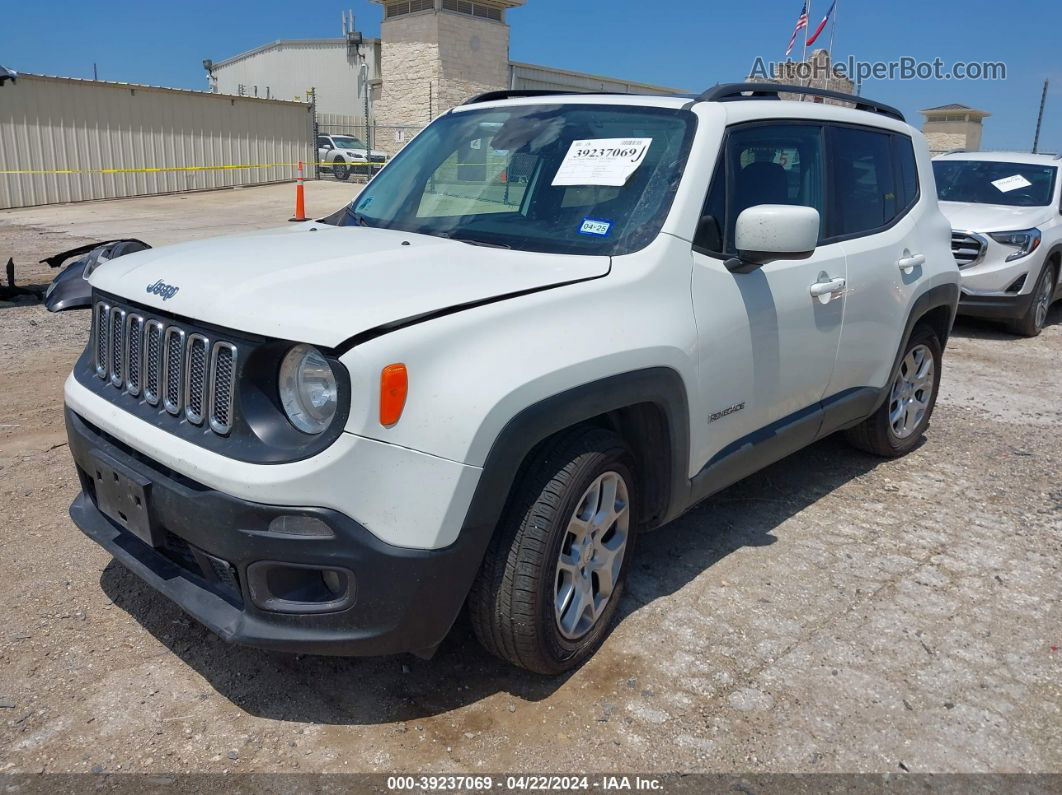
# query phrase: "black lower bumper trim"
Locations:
[[995, 307], [407, 599]]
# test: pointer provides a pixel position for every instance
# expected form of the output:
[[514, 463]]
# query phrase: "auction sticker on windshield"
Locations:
[[1008, 184], [602, 161]]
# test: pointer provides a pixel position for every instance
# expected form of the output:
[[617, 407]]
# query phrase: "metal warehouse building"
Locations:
[[431, 55]]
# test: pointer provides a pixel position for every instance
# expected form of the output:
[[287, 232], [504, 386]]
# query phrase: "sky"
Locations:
[[686, 44]]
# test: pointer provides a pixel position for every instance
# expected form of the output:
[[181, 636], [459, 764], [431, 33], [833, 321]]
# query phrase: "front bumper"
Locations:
[[995, 307], [207, 545]]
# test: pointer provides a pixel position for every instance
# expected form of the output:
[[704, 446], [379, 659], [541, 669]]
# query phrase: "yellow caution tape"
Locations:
[[306, 165]]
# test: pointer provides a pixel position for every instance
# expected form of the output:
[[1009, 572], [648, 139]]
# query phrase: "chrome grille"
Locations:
[[116, 347], [172, 367], [153, 362], [99, 329], [195, 377], [188, 373], [967, 248], [223, 386], [134, 347]]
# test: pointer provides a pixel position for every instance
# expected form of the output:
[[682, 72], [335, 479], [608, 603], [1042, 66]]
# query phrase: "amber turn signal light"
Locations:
[[394, 383]]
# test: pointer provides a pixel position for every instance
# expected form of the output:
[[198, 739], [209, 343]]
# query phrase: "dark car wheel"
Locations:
[[899, 423], [1032, 323], [552, 578]]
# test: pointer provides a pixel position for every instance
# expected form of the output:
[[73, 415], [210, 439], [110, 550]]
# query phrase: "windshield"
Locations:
[[992, 182], [346, 142], [578, 179]]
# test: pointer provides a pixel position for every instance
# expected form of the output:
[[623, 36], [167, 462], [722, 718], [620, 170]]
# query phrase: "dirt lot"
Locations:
[[833, 613]]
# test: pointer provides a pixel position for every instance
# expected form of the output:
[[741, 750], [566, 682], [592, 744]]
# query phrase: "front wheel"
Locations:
[[1032, 323], [897, 426], [553, 575], [339, 169]]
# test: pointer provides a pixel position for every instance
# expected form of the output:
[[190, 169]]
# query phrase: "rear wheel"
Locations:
[[553, 575], [897, 426], [1036, 317], [339, 169]]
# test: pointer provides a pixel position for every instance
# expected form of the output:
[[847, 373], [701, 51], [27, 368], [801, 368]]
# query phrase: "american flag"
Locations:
[[802, 24]]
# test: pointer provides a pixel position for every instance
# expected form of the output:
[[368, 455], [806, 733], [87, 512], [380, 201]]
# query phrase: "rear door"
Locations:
[[766, 346], [875, 192]]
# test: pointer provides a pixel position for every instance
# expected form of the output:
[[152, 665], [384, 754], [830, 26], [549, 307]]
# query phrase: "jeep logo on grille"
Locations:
[[160, 288]]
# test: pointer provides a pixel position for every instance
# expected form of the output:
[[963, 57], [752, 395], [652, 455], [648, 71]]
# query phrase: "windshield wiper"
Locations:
[[470, 241], [359, 219]]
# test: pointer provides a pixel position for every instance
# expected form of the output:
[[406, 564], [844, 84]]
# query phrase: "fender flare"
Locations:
[[943, 295], [661, 387]]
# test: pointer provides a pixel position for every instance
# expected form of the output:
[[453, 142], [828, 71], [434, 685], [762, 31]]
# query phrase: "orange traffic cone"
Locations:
[[300, 199]]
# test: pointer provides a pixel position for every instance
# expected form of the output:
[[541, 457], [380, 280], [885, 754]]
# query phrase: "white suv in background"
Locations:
[[342, 153], [467, 388], [1005, 210]]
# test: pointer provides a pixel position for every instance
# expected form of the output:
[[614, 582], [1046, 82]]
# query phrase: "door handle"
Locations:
[[824, 290], [908, 264]]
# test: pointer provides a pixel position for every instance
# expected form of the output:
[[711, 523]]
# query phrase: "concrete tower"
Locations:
[[954, 126], [437, 53]]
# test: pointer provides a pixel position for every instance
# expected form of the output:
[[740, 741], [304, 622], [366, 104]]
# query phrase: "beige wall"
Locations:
[[944, 136], [54, 123]]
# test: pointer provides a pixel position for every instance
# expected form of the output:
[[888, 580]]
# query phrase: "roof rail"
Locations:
[[731, 92], [515, 93]]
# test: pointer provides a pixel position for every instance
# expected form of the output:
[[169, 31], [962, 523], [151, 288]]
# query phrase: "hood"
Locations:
[[323, 284], [976, 217], [361, 152]]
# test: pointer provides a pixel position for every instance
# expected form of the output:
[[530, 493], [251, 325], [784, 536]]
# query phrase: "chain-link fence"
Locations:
[[337, 137]]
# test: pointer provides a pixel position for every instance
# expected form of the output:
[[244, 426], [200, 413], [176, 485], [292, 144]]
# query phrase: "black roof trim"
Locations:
[[732, 92], [516, 93]]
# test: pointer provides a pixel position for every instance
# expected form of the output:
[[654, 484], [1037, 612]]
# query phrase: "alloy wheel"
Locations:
[[591, 555], [912, 391], [1043, 302]]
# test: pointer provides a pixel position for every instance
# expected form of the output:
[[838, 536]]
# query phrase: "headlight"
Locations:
[[1026, 241], [93, 260], [308, 389]]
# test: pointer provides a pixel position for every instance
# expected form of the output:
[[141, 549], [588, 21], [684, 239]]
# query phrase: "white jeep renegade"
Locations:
[[1005, 210], [551, 323]]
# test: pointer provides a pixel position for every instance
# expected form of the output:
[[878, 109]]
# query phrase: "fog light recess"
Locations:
[[300, 588]]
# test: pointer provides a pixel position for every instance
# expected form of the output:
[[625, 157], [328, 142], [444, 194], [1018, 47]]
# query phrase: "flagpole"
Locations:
[[804, 57], [833, 32]]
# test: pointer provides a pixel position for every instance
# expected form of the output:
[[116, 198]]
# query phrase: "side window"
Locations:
[[323, 143], [762, 164], [863, 181], [908, 171]]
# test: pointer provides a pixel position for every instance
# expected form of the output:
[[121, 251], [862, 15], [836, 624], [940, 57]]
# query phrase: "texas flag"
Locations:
[[822, 25]]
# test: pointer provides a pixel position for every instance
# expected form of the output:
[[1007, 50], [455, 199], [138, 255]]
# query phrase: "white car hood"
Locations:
[[325, 286], [976, 217]]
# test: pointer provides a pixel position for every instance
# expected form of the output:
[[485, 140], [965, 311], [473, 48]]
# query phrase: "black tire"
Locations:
[[1032, 322], [876, 434], [511, 603], [340, 170]]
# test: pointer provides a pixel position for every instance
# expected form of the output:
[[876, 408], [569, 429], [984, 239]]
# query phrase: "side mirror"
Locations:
[[769, 232]]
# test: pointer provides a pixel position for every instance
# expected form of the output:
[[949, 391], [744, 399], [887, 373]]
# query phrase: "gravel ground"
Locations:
[[834, 613]]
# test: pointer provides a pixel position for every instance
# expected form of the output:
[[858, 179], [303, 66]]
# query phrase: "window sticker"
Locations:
[[602, 161], [1008, 184], [596, 227]]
